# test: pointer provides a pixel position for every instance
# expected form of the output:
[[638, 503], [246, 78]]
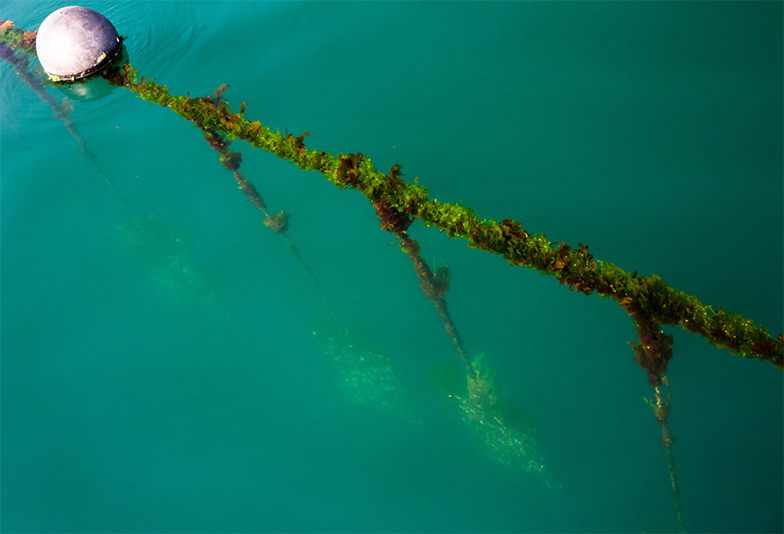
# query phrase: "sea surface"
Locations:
[[168, 364]]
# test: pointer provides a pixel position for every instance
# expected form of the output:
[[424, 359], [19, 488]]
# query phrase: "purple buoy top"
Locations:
[[75, 42]]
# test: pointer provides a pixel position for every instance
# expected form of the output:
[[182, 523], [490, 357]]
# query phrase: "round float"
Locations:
[[75, 42]]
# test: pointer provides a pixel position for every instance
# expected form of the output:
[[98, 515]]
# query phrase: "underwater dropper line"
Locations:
[[231, 160], [434, 289], [60, 111], [316, 281], [661, 411], [94, 160]]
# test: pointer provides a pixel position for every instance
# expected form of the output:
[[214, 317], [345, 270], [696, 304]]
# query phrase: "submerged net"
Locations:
[[510, 444], [367, 377]]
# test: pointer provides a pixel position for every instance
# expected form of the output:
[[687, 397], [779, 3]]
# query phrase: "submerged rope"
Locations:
[[279, 222], [61, 110], [434, 285], [661, 410], [573, 267]]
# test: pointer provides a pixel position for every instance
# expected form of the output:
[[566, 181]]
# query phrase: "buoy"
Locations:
[[75, 42]]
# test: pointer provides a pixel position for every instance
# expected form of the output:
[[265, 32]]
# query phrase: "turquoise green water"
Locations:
[[159, 368]]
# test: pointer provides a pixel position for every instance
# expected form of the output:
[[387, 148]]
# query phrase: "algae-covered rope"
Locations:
[[574, 267]]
